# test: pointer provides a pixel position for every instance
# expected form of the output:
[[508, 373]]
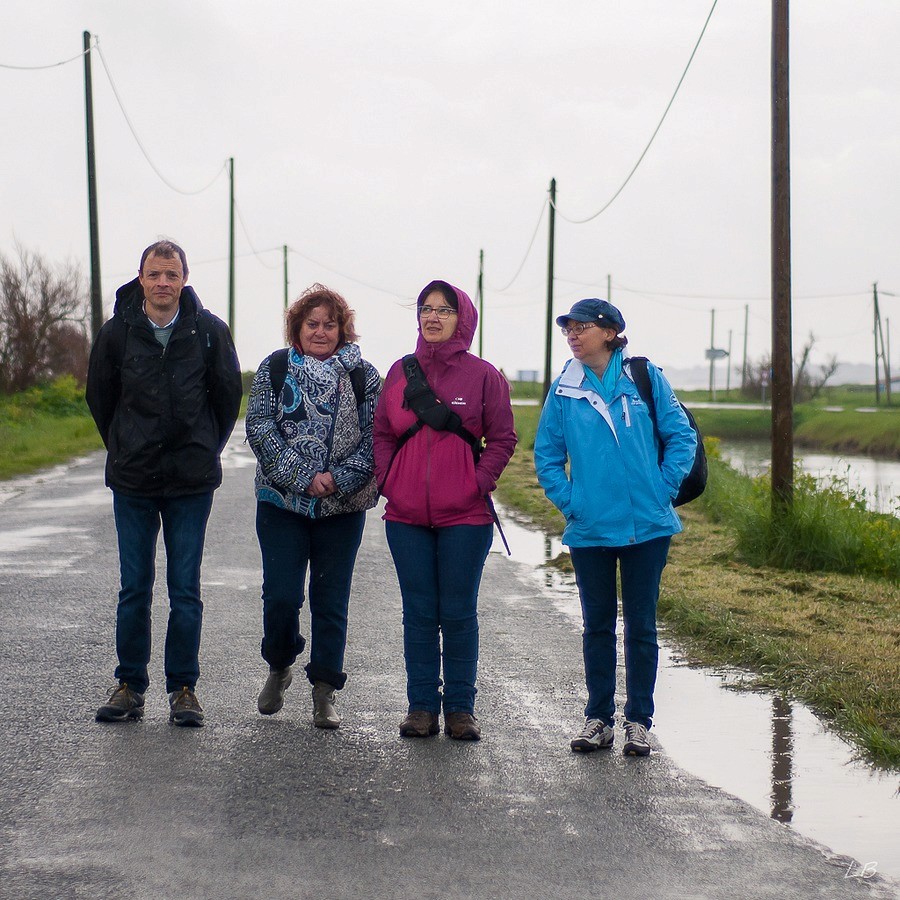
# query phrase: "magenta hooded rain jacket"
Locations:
[[433, 480]]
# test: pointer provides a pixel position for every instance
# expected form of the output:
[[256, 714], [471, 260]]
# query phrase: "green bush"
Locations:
[[61, 397]]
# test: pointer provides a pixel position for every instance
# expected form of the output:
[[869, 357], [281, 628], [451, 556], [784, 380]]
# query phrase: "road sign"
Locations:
[[716, 353]]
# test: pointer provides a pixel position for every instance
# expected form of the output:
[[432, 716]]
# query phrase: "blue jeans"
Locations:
[[439, 570], [289, 543], [184, 529], [641, 567]]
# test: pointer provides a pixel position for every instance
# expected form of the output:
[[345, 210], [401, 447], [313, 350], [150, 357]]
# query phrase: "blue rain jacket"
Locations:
[[616, 491]]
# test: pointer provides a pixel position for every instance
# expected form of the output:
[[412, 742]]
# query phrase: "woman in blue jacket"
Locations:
[[617, 500]]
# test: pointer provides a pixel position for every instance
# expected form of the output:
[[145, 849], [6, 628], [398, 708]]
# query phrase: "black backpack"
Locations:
[[695, 481], [278, 366]]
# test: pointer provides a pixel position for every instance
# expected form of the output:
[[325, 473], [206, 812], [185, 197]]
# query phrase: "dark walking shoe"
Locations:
[[636, 741], [462, 726], [123, 703], [595, 735], [324, 713], [271, 697], [419, 723], [185, 708]]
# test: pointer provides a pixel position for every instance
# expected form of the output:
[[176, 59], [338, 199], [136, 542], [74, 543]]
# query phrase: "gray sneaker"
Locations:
[[636, 741], [595, 735], [185, 708], [123, 703], [324, 713], [271, 697]]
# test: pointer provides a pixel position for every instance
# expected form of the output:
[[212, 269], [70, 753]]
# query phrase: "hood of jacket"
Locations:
[[130, 302], [444, 354]]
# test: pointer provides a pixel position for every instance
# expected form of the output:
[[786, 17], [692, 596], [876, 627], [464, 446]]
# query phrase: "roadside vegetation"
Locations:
[[809, 608], [44, 425]]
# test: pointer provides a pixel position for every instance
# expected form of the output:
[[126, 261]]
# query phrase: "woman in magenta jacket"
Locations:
[[438, 522]]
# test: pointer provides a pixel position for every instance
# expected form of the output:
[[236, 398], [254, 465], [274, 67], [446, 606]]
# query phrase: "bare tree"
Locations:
[[42, 321], [807, 386]]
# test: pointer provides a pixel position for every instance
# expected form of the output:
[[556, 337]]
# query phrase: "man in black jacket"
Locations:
[[164, 387]]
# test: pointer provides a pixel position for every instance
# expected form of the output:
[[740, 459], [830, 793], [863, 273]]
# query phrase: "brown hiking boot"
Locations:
[[123, 703], [185, 708], [419, 723], [462, 726]]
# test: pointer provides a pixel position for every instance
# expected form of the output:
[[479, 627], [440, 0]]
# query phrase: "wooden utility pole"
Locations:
[[93, 222], [875, 322], [231, 245], [712, 358], [609, 288], [744, 363], [549, 331], [481, 303], [782, 357]]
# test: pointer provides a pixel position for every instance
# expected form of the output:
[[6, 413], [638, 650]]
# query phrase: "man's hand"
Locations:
[[322, 485]]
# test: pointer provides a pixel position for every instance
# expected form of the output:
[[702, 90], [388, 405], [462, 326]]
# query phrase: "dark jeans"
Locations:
[[641, 567], [184, 529], [289, 543], [439, 570]]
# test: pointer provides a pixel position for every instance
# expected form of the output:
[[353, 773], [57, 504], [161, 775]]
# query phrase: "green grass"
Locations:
[[830, 639], [44, 426]]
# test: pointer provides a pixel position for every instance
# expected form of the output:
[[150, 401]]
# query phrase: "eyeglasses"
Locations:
[[443, 312], [577, 328]]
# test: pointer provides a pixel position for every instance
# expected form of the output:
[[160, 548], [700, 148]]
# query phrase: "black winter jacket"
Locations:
[[164, 414]]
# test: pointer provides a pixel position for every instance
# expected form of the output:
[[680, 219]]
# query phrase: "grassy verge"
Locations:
[[829, 639], [44, 426]]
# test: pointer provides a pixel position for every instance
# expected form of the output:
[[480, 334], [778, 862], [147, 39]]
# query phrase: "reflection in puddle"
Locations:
[[770, 752]]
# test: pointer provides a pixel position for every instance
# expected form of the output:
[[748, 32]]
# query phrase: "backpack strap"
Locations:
[[278, 366], [641, 378], [428, 410]]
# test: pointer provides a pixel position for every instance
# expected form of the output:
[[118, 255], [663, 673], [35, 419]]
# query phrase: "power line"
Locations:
[[509, 284], [652, 136], [373, 287], [253, 249], [134, 133], [621, 287], [49, 66]]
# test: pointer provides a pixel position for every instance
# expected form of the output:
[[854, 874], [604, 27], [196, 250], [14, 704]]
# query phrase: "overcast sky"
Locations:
[[387, 143]]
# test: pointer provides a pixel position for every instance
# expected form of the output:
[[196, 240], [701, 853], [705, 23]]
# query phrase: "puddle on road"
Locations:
[[772, 753]]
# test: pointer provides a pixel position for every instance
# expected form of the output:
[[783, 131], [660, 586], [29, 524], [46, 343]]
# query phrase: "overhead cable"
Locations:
[[509, 284], [373, 287], [652, 136], [256, 253], [48, 66], [134, 133], [621, 287]]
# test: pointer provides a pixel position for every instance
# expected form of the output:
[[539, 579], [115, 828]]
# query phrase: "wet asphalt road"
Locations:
[[271, 807]]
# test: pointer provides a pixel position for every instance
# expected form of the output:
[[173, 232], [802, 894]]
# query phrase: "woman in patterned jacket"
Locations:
[[309, 422]]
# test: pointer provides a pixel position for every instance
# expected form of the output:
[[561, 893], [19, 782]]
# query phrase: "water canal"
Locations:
[[772, 753]]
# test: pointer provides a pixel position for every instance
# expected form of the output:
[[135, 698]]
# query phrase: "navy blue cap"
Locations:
[[600, 312]]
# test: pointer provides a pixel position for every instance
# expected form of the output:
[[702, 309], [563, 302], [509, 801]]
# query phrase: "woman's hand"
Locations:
[[322, 485]]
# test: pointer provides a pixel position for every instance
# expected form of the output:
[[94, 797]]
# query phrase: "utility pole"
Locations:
[[712, 358], [609, 288], [284, 260], [875, 333], [549, 331], [93, 223], [782, 359], [231, 245], [728, 369], [481, 303], [887, 361], [744, 364]]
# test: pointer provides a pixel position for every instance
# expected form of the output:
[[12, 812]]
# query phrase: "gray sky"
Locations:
[[390, 142]]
